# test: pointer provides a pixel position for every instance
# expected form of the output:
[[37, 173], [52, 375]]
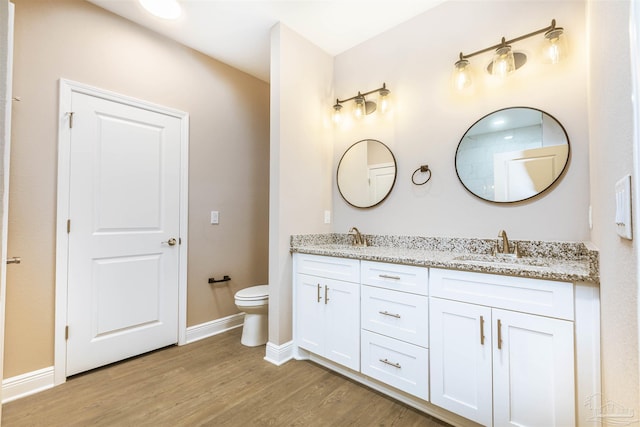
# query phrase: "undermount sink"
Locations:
[[501, 259]]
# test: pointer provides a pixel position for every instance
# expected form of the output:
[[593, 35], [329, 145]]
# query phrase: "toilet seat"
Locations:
[[253, 293]]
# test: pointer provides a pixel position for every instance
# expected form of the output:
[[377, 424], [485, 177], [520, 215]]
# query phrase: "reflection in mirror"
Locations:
[[512, 155], [366, 173]]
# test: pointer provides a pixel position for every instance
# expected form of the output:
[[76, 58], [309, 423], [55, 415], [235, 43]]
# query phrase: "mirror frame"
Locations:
[[395, 176], [549, 187]]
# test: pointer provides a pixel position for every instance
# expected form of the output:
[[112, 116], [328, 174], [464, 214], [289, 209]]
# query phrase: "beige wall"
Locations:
[[229, 150], [416, 59], [611, 134], [301, 155]]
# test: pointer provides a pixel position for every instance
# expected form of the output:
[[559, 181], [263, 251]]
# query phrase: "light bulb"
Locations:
[[165, 9], [555, 47], [461, 77], [503, 62], [359, 111], [384, 102], [337, 114]]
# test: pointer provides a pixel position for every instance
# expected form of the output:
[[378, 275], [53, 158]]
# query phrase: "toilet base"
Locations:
[[255, 330]]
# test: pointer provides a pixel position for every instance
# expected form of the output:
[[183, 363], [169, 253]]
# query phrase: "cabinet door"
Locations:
[[460, 353], [342, 322], [533, 370], [310, 313]]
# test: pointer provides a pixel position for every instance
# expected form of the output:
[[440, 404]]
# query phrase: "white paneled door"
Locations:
[[123, 234]]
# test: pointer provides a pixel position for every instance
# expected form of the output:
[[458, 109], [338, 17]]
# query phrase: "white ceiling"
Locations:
[[237, 32]]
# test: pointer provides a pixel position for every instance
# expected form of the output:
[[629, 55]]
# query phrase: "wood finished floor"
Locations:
[[213, 382]]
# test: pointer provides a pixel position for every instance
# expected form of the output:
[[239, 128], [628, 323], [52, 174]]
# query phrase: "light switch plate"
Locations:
[[623, 207], [215, 217]]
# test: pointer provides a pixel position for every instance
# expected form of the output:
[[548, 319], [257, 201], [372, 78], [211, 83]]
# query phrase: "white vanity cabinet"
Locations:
[[466, 347], [502, 348], [394, 317], [327, 302]]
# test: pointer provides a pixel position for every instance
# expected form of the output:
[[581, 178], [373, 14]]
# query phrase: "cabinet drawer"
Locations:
[[397, 363], [544, 297], [396, 314], [344, 269], [406, 278]]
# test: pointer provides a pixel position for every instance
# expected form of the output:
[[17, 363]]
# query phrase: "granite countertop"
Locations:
[[562, 261]]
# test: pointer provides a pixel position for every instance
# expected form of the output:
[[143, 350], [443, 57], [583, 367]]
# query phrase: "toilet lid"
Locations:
[[253, 293]]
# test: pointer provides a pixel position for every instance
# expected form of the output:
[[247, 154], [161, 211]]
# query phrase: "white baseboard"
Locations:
[[215, 327], [279, 354], [26, 384]]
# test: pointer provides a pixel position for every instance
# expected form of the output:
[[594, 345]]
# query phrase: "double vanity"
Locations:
[[452, 328]]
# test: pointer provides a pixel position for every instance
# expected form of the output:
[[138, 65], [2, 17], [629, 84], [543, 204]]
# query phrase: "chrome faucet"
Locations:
[[358, 240], [505, 245]]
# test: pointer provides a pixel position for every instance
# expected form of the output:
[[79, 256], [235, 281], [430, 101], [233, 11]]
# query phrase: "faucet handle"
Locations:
[[516, 250]]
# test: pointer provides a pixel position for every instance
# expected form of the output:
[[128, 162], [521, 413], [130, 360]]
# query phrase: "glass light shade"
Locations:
[[461, 77], [503, 62], [555, 46], [165, 9], [384, 103], [359, 110], [337, 114]]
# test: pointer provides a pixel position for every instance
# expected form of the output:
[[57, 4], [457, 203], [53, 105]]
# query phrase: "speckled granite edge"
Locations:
[[568, 261]]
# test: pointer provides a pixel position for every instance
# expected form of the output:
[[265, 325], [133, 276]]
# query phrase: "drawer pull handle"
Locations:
[[386, 313], [386, 362], [499, 334], [319, 297], [326, 294], [386, 276], [481, 330]]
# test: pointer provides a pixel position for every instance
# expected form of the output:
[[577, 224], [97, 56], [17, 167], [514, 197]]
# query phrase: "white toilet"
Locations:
[[254, 302]]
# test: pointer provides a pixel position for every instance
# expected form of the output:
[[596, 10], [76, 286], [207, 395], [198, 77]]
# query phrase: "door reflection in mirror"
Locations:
[[512, 155], [366, 173]]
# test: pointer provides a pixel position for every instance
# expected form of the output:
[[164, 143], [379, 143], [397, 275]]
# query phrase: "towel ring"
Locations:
[[422, 169]]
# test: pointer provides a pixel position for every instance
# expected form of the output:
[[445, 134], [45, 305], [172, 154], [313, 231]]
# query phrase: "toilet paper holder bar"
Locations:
[[224, 279]]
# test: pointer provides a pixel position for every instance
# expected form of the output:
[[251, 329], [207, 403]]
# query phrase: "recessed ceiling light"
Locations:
[[165, 9]]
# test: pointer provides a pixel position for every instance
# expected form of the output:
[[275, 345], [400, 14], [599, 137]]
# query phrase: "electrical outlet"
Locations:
[[327, 217]]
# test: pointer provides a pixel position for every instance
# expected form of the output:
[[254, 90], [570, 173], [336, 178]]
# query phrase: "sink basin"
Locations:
[[501, 260]]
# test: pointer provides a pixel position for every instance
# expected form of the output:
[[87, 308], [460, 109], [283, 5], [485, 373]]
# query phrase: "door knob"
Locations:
[[14, 260], [171, 242]]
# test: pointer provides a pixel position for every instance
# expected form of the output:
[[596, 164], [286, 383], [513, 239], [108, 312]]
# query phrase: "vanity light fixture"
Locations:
[[364, 106], [165, 9], [505, 60]]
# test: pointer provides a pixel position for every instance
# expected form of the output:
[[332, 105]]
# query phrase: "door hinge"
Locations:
[[66, 332], [70, 119], [68, 226]]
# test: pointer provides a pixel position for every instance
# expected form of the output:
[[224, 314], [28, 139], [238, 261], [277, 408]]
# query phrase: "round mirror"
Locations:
[[366, 173], [512, 155]]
